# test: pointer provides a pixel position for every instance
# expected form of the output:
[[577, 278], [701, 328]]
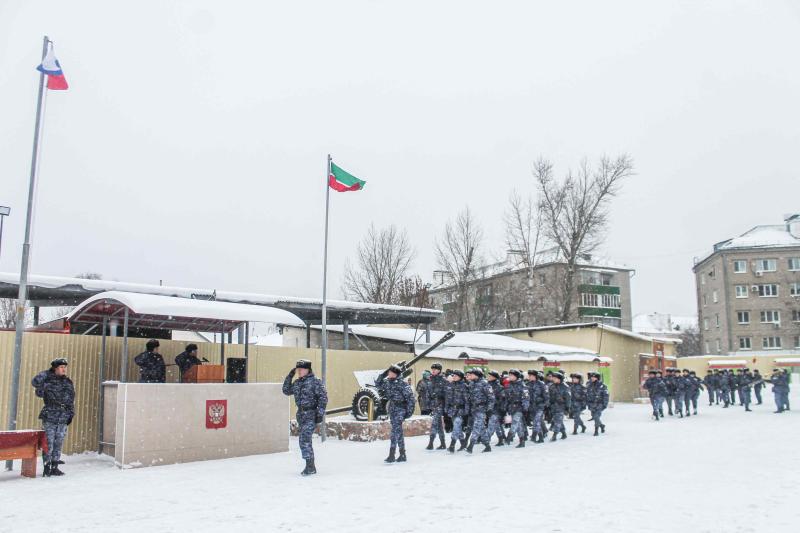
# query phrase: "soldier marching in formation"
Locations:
[[722, 387]]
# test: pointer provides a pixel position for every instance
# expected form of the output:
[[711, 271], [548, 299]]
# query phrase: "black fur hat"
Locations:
[[395, 370], [58, 362], [458, 373], [515, 372], [152, 343], [495, 374], [436, 366], [303, 363]]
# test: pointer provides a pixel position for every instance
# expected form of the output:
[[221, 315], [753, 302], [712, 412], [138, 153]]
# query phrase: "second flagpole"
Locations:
[[324, 362]]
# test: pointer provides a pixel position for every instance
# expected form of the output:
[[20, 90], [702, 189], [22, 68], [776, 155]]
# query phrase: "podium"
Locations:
[[205, 374]]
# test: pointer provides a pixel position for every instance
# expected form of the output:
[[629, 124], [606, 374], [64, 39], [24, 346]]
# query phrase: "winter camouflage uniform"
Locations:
[[437, 390], [457, 407], [672, 385], [151, 367], [757, 377], [710, 383], [401, 406], [578, 404], [481, 402], [780, 388], [597, 401], [559, 405], [680, 384], [745, 389], [58, 394], [499, 412], [517, 404], [311, 399], [657, 390], [539, 400], [724, 389]]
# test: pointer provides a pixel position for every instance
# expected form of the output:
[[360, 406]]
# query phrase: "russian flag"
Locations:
[[55, 76]]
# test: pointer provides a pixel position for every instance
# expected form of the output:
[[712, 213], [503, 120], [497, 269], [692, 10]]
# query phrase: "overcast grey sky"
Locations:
[[191, 145]]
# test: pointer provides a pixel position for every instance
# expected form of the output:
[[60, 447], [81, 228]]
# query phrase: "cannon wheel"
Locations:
[[361, 404]]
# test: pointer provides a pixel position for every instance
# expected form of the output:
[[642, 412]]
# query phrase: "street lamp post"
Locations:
[[4, 212]]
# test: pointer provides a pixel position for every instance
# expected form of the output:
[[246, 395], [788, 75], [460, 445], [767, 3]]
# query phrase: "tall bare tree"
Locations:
[[458, 252], [382, 260], [575, 211], [690, 342]]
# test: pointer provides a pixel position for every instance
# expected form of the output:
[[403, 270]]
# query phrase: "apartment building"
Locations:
[[748, 291]]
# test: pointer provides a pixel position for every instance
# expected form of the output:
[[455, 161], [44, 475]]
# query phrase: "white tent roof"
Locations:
[[148, 310], [727, 362], [787, 360]]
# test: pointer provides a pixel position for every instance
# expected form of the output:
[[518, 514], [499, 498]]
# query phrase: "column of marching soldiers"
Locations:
[[680, 390]]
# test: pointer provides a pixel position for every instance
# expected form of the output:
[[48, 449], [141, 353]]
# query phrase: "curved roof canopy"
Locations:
[[168, 312]]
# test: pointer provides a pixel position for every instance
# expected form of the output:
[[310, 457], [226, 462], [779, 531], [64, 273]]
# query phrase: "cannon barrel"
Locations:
[[407, 366]]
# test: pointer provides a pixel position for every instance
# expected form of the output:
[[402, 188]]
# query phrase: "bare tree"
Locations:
[[458, 252], [8, 313], [383, 258], [690, 342], [413, 292], [575, 212]]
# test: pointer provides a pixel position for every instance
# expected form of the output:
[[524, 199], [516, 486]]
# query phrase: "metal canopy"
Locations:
[[167, 312], [56, 291]]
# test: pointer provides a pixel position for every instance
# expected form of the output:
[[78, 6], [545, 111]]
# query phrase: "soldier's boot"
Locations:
[[46, 472], [541, 437], [596, 430], [402, 457], [310, 469], [695, 412], [602, 428], [54, 471], [554, 437], [583, 428], [59, 462], [521, 444], [563, 434], [470, 446], [452, 448], [391, 458], [462, 444], [487, 448], [430, 442], [661, 413], [688, 413], [670, 411], [680, 414], [500, 441], [575, 430], [442, 445], [747, 408]]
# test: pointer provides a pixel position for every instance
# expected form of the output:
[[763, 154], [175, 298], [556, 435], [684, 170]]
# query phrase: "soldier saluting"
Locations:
[[311, 399]]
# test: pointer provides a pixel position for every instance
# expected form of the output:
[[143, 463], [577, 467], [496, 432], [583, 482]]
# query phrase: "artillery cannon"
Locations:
[[368, 392]]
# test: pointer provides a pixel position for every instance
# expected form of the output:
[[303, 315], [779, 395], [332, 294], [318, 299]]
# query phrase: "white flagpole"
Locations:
[[22, 296], [325, 292]]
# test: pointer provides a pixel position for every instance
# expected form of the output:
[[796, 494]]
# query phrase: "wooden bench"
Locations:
[[23, 445]]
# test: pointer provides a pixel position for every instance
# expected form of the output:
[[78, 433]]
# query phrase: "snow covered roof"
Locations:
[[74, 290], [663, 324], [168, 312], [764, 236], [788, 360], [578, 325], [482, 345], [727, 362]]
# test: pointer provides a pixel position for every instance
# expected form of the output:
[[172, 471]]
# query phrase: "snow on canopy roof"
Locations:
[[787, 360], [297, 304], [169, 312], [727, 362], [499, 347]]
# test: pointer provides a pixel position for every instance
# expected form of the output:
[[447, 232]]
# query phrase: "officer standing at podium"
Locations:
[[311, 399], [187, 359]]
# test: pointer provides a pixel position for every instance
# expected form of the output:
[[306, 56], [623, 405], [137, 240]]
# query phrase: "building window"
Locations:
[[768, 290], [715, 296], [770, 317], [794, 289], [797, 341], [716, 319], [795, 315], [706, 347], [705, 299], [705, 325], [771, 343], [741, 291], [702, 282], [745, 343], [739, 267], [600, 300], [766, 265], [717, 344], [743, 317], [713, 272], [794, 263]]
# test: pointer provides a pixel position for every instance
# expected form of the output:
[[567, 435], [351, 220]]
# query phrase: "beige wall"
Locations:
[[623, 349], [157, 424]]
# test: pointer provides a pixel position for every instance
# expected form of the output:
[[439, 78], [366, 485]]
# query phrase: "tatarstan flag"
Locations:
[[342, 181]]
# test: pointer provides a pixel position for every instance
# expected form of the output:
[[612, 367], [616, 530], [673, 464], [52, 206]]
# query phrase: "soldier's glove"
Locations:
[[318, 419], [69, 420], [292, 371]]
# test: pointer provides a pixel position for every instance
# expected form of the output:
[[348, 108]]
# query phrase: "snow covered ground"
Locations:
[[723, 471]]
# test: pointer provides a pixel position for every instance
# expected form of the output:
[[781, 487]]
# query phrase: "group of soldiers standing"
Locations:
[[481, 406], [680, 390]]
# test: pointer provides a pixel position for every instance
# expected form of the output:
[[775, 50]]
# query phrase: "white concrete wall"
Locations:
[[158, 424]]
